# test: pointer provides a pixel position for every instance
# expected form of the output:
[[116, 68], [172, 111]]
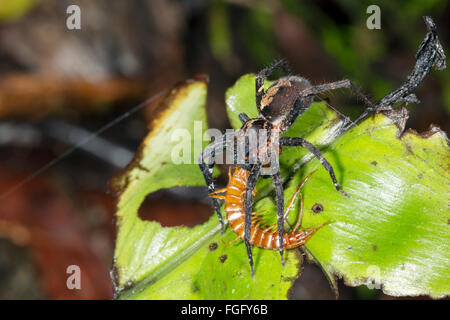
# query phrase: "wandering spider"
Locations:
[[278, 107]]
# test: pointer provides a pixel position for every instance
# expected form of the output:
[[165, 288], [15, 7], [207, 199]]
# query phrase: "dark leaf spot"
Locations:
[[317, 208], [128, 285], [213, 246], [223, 258], [374, 163]]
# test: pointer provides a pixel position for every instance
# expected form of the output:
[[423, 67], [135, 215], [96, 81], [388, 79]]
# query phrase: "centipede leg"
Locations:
[[213, 196], [232, 241], [248, 203], [300, 214], [217, 192], [291, 203]]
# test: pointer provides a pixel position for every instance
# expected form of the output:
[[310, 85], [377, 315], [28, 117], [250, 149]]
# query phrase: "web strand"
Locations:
[[71, 150]]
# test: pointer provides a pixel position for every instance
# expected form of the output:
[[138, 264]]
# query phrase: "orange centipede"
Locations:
[[268, 237]]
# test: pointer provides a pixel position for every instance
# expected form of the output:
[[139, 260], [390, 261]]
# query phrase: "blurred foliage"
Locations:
[[15, 9], [219, 31], [261, 48], [355, 46], [340, 28]]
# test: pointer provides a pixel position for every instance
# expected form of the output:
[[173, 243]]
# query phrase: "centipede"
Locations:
[[262, 237]]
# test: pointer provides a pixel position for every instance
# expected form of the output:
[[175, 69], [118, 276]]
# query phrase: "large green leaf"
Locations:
[[394, 230], [152, 262]]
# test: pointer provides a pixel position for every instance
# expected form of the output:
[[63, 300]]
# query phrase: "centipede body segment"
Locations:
[[263, 237]]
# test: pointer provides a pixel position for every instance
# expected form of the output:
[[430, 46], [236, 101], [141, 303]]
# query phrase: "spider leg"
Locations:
[[278, 182], [248, 203], [345, 83], [263, 74], [430, 54], [300, 105], [207, 170], [209, 154], [299, 142], [243, 117]]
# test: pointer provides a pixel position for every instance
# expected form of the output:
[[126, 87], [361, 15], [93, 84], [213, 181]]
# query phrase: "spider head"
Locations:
[[253, 126], [278, 102]]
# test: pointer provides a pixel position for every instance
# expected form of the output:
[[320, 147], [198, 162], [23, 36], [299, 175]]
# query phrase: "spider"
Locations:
[[278, 107]]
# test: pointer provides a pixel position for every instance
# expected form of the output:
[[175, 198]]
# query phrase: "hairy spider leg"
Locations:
[[300, 142], [263, 74], [207, 170], [243, 117], [259, 88], [300, 107], [248, 203], [430, 54], [210, 153], [278, 182]]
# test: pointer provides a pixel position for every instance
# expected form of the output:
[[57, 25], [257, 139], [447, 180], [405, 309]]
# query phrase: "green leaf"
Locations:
[[393, 232], [152, 262], [144, 250]]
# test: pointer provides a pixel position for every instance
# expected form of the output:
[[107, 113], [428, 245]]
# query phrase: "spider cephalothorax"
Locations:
[[256, 146]]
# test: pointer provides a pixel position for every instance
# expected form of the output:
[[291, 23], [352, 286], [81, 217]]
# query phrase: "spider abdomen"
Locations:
[[279, 100]]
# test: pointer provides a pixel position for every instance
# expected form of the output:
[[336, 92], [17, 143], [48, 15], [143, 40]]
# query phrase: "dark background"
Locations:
[[59, 85]]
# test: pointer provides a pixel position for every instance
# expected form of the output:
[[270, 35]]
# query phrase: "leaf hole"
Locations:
[[176, 207]]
